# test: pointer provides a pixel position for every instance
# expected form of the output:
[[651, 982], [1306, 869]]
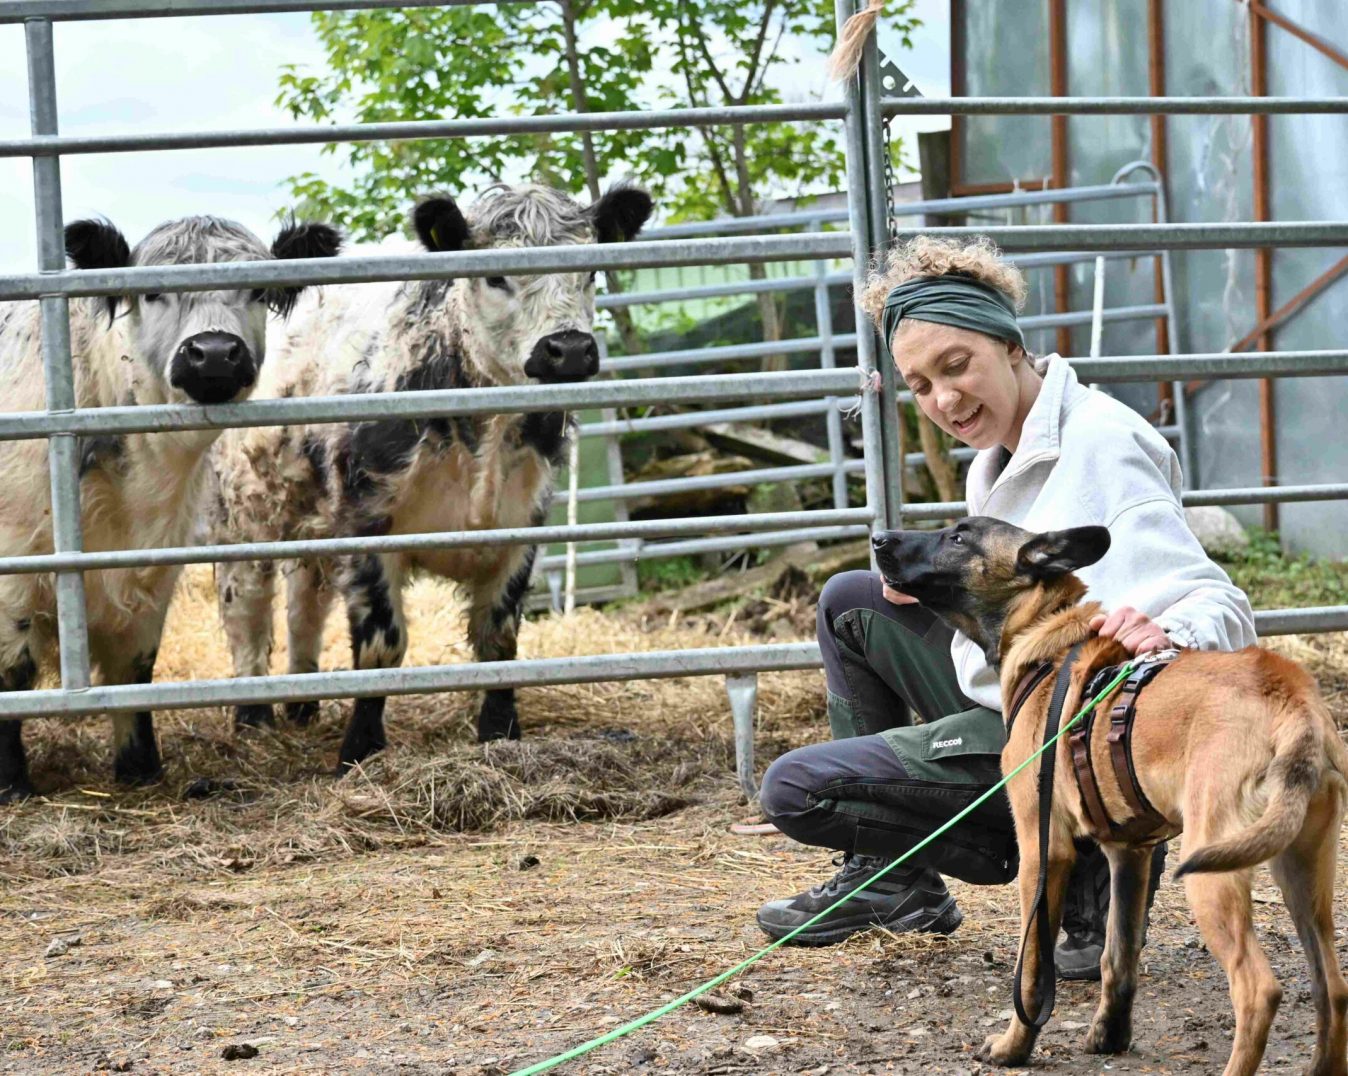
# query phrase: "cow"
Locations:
[[400, 476], [137, 491]]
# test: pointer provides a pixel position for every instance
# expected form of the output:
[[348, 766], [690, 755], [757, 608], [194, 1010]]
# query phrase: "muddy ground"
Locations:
[[458, 910]]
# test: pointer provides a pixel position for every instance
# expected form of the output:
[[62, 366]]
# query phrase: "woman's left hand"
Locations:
[[1134, 631]]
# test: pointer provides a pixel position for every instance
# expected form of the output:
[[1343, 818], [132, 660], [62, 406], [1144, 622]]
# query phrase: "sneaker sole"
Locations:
[[945, 920]]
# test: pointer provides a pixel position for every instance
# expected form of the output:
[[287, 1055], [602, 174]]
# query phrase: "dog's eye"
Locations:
[[498, 282], [958, 539]]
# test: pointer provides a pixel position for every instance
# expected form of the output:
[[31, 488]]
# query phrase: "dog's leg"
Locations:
[[1013, 1046], [1305, 873], [1221, 904], [1129, 877]]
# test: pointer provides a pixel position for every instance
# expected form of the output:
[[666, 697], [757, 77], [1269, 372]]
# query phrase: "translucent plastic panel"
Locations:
[[998, 149]]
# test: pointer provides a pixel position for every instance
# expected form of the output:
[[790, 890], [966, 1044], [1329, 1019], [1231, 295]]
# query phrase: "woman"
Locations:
[[1051, 454]]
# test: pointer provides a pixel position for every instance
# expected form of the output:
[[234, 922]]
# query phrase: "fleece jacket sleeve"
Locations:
[[1158, 567]]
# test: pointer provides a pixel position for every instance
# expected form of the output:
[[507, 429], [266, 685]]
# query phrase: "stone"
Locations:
[[1217, 530]]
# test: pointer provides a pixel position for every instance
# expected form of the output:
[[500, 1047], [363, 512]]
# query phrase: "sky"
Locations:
[[213, 72]]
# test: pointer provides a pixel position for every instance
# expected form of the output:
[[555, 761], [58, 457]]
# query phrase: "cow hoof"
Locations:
[[357, 747], [497, 720], [16, 792], [301, 713], [138, 768], [253, 716]]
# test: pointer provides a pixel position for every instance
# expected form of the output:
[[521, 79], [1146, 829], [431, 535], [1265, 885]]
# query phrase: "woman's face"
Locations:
[[965, 382]]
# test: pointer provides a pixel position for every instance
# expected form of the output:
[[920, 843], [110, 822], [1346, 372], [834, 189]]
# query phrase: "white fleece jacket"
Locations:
[[1085, 458]]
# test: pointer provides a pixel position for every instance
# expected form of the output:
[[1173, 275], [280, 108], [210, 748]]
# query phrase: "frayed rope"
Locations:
[[869, 383], [842, 65]]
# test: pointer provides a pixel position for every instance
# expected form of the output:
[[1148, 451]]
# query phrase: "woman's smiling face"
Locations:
[[968, 384]]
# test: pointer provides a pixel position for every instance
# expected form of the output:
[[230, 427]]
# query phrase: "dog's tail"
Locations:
[[1301, 755]]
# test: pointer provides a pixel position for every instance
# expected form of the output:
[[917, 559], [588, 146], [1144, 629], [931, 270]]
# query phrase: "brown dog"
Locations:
[[1237, 748]]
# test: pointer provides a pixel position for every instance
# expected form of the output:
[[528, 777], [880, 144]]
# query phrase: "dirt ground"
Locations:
[[452, 909]]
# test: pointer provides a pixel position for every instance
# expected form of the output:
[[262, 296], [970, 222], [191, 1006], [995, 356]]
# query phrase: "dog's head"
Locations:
[[988, 578]]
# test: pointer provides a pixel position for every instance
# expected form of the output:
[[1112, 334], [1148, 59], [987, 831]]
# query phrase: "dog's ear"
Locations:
[[1055, 553], [439, 224]]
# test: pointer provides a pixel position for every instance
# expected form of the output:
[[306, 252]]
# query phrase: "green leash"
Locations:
[[655, 1014]]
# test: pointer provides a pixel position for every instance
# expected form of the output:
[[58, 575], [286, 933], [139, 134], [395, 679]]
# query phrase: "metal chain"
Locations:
[[891, 220]]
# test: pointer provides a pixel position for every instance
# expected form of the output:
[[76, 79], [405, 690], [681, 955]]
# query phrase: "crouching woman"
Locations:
[[914, 708]]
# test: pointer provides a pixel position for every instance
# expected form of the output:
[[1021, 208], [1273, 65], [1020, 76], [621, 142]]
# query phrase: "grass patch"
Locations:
[[1274, 580]]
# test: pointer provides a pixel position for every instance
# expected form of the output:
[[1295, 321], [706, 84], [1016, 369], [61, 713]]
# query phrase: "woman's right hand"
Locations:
[[896, 597]]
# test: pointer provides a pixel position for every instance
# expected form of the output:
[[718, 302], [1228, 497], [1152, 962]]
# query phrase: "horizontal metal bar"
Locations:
[[470, 676], [791, 385], [598, 668], [716, 291], [1298, 621], [663, 487], [1108, 106], [1306, 233], [968, 204], [409, 130], [402, 543], [1212, 365], [686, 419], [1194, 498], [1085, 317], [422, 265], [1265, 495], [85, 10], [656, 550], [727, 352], [1051, 258]]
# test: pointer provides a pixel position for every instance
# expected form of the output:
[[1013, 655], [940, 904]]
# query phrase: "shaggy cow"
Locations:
[[402, 475], [137, 491]]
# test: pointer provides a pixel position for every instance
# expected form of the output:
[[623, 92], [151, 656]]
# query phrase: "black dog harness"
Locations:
[[1147, 825]]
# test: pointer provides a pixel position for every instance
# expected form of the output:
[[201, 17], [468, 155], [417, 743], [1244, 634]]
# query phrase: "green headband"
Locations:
[[960, 301]]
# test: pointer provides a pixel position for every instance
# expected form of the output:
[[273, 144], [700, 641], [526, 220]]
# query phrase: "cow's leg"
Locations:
[[244, 590], [308, 599], [135, 754], [493, 626], [17, 673], [372, 587]]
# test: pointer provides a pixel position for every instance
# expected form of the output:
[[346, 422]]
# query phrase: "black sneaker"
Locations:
[[904, 899]]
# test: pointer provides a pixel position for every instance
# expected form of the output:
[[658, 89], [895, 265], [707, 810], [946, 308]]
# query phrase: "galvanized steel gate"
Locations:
[[861, 114]]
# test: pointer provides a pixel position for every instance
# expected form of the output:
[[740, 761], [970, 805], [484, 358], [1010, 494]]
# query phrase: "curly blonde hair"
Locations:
[[929, 256]]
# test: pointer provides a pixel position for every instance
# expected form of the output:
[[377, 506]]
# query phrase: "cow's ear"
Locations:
[[300, 239], [439, 224], [1055, 553], [621, 212], [98, 244]]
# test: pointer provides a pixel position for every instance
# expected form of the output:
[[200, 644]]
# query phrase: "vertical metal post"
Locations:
[[743, 693], [1263, 261], [828, 359], [613, 455], [877, 195], [859, 218], [63, 449]]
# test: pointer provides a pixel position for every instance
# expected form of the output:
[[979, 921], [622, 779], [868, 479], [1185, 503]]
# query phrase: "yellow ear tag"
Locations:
[[435, 236]]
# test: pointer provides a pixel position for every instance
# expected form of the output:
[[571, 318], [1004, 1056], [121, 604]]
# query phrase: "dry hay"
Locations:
[[618, 751]]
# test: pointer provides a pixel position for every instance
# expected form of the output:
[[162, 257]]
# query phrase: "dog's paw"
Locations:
[[1109, 1037], [1004, 1049]]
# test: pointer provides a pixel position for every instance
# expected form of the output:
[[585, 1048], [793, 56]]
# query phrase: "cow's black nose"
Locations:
[[213, 367], [564, 356], [214, 351]]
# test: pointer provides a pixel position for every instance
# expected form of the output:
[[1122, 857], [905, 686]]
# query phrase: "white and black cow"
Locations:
[[137, 491], [401, 476]]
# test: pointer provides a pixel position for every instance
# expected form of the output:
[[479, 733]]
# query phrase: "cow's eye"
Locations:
[[257, 296], [594, 276], [498, 282], [153, 297]]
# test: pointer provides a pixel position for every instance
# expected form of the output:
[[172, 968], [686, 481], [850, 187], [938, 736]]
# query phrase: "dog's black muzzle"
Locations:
[[903, 556]]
